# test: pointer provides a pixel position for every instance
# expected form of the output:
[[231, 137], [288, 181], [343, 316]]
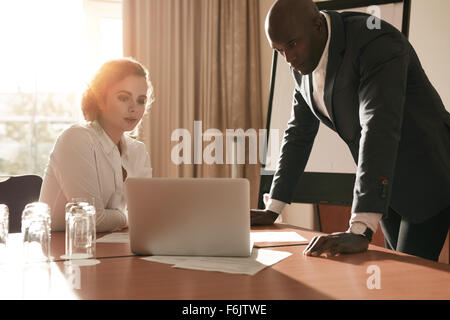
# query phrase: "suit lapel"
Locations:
[[307, 93], [316, 111], [337, 46], [306, 90]]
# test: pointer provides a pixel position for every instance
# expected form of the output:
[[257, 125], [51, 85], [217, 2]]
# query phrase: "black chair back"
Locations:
[[16, 192]]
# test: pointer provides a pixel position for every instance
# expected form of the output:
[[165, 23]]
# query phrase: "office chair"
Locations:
[[16, 192]]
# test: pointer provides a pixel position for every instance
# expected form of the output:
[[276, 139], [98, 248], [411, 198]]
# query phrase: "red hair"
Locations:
[[110, 73]]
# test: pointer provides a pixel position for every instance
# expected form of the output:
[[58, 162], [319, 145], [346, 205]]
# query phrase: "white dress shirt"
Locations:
[[370, 220], [85, 163]]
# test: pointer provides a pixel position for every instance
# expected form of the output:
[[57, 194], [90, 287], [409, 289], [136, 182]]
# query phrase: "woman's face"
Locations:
[[124, 105]]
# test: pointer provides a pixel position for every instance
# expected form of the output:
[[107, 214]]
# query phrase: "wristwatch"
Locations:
[[361, 229]]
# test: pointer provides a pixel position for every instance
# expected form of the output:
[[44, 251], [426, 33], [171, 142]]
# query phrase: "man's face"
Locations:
[[299, 45]]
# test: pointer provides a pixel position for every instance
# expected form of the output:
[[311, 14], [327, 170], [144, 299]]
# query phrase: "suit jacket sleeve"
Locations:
[[383, 66], [296, 147]]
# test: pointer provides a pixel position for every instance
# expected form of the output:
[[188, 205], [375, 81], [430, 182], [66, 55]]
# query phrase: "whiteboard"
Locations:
[[329, 153]]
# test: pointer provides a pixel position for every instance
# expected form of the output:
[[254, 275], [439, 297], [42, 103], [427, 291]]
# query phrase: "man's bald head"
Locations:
[[285, 15], [298, 30]]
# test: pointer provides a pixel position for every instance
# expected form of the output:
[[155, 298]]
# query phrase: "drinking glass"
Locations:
[[73, 202], [4, 224], [36, 232], [80, 229]]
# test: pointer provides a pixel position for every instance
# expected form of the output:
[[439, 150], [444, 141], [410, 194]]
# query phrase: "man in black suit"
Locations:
[[366, 84]]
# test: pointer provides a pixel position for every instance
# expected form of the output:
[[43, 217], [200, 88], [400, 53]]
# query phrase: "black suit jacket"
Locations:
[[383, 106]]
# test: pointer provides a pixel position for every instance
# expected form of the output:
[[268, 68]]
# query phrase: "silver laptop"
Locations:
[[189, 216]]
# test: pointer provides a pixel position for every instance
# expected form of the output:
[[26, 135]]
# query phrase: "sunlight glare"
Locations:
[[46, 47]]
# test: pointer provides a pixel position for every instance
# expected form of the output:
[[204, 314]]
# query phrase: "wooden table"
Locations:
[[121, 275]]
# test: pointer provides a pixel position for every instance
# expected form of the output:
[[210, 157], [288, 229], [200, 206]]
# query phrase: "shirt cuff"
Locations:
[[275, 205], [370, 219]]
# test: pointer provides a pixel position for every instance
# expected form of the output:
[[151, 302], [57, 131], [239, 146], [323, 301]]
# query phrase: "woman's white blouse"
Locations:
[[85, 163]]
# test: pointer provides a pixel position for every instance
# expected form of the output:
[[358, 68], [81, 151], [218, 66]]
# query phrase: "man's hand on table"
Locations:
[[260, 217], [336, 243]]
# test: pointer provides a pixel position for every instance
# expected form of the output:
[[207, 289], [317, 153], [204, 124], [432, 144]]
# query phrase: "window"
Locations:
[[50, 50]]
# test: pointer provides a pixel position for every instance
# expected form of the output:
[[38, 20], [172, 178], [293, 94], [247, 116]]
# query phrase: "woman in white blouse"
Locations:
[[93, 160]]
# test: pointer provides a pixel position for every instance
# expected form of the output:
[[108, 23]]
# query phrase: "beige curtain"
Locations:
[[203, 59]]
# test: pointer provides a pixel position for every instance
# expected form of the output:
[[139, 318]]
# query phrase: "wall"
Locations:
[[429, 34]]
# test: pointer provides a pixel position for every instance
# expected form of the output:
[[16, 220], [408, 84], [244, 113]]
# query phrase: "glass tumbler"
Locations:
[[4, 224], [73, 202], [36, 232], [80, 230], [35, 208]]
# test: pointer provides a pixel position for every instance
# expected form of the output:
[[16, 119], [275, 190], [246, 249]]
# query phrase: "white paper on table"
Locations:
[[169, 259], [259, 259], [276, 237], [116, 237]]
